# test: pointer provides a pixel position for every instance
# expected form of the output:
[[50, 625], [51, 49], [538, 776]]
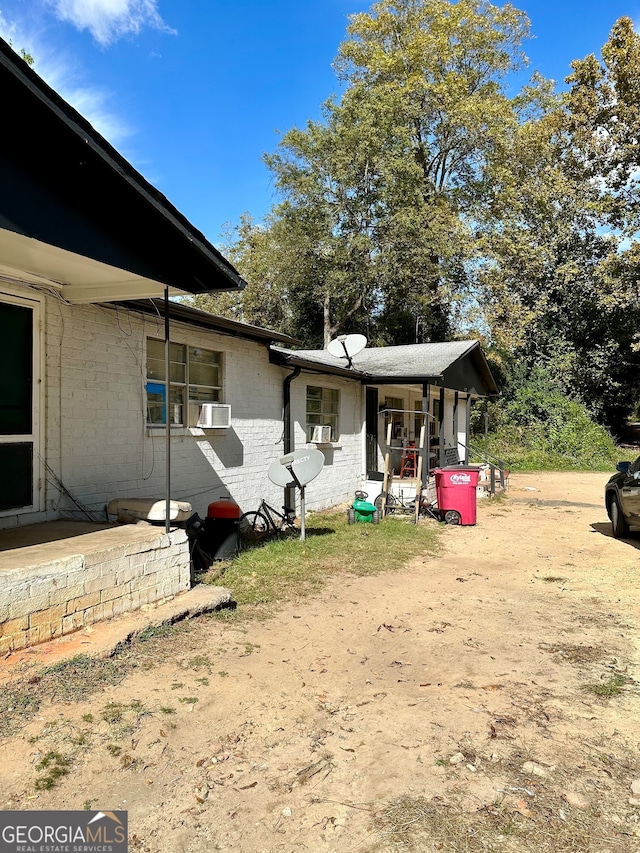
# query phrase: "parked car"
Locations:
[[622, 498]]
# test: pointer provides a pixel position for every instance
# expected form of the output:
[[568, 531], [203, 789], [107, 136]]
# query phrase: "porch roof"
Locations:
[[77, 217], [460, 365]]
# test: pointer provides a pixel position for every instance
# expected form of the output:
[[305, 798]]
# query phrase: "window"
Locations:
[[394, 413], [322, 410], [195, 376], [418, 420]]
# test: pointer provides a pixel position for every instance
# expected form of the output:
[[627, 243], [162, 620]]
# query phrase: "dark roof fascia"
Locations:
[[84, 131], [478, 355], [204, 320], [285, 359], [401, 380]]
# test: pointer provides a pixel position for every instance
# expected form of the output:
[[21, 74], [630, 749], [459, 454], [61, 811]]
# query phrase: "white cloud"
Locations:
[[67, 78], [109, 20]]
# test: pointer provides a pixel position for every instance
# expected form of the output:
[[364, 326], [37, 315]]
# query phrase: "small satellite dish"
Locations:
[[346, 346], [297, 469]]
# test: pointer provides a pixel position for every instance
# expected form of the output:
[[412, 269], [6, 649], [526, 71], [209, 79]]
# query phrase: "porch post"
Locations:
[[467, 428], [167, 418], [456, 431], [426, 446], [441, 458]]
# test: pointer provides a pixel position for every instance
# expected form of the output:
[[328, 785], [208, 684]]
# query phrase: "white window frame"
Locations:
[[36, 305], [327, 418], [184, 385]]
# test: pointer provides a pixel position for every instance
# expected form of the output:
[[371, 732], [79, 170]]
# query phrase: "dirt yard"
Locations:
[[485, 699]]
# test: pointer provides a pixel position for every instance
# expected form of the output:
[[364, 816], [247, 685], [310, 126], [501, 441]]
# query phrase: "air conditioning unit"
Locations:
[[213, 415], [321, 435]]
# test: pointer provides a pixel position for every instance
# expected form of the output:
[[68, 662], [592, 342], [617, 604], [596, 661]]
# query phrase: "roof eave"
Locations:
[[203, 319]]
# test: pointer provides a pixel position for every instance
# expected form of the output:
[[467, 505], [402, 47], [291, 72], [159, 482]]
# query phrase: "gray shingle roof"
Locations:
[[419, 360], [410, 363]]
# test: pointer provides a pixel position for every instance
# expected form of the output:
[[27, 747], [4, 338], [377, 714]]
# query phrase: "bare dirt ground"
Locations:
[[453, 705]]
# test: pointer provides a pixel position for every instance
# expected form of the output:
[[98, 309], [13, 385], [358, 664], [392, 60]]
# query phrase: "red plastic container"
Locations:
[[456, 493], [224, 508], [220, 539]]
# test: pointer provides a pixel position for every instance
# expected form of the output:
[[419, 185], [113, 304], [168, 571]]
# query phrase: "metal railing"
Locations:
[[494, 463]]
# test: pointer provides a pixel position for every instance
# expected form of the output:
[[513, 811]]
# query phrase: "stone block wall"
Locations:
[[48, 600]]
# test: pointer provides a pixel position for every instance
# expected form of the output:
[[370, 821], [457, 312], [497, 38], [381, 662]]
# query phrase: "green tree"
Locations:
[[557, 282], [374, 232]]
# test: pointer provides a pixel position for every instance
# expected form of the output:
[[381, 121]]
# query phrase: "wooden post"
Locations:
[[419, 475], [441, 458], [385, 480]]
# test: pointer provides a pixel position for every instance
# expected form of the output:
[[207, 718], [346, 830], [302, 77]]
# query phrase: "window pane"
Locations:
[[155, 360], [155, 403], [155, 369], [177, 372], [204, 356], [16, 483], [323, 405], [16, 377], [204, 374], [176, 405], [204, 395]]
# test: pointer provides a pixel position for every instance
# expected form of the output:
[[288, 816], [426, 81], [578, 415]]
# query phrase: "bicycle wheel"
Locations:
[[253, 527], [385, 503]]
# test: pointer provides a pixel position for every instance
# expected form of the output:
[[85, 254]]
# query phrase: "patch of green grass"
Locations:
[[613, 686], [113, 749], [152, 632], [188, 700], [553, 579], [167, 709], [53, 766], [70, 680], [115, 712], [112, 713], [199, 662], [287, 569]]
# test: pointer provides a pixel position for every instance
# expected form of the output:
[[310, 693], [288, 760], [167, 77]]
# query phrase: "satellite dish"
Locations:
[[346, 346], [297, 468]]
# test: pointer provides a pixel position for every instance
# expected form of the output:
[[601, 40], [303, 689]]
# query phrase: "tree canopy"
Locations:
[[431, 201]]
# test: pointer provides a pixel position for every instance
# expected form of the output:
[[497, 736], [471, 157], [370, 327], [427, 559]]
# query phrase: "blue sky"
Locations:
[[193, 92]]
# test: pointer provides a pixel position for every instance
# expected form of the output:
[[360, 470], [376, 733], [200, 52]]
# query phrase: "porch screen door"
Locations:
[[17, 432]]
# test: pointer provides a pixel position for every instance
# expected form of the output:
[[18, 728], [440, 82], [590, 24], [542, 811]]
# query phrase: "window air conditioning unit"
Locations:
[[321, 435], [214, 415]]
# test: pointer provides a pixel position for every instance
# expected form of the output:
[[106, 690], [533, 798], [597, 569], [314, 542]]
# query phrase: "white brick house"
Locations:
[[86, 248]]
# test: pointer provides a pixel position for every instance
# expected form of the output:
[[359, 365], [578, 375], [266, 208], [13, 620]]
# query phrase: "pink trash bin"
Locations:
[[456, 493]]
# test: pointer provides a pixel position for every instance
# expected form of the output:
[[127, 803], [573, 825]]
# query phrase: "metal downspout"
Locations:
[[287, 431]]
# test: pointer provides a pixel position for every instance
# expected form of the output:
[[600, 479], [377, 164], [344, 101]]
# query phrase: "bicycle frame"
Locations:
[[271, 512]]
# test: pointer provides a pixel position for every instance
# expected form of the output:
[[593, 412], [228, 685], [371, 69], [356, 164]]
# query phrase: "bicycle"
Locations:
[[387, 504], [256, 525]]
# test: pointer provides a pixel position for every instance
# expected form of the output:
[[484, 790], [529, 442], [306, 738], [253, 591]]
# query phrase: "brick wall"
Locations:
[[48, 600], [97, 442]]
